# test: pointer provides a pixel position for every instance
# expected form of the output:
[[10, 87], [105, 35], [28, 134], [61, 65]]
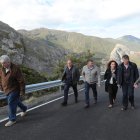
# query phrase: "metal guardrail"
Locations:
[[41, 86], [37, 87]]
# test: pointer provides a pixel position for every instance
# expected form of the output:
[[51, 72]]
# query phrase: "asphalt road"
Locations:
[[53, 122]]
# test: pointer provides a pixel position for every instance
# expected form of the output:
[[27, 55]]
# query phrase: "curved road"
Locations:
[[53, 122]]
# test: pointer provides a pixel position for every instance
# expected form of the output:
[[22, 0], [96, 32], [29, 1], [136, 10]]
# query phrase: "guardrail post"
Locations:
[[60, 89]]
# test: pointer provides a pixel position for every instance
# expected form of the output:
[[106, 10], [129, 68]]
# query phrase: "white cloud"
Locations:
[[75, 15], [112, 9]]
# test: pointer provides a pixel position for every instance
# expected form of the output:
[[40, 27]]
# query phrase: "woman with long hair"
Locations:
[[111, 81]]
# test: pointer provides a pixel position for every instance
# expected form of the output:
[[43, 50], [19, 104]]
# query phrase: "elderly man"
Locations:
[[13, 85], [91, 75], [127, 76], [70, 77]]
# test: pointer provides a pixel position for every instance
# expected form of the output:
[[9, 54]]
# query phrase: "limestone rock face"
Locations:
[[11, 43], [42, 57], [38, 55], [118, 52]]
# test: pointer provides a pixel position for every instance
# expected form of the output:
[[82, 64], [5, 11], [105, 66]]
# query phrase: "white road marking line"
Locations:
[[5, 119]]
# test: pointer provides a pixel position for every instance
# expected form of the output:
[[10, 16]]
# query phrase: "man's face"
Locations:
[[69, 63], [90, 64], [5, 64], [125, 61]]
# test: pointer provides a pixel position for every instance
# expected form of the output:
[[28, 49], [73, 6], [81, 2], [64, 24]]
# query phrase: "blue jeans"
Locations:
[[87, 88], [13, 99], [128, 94]]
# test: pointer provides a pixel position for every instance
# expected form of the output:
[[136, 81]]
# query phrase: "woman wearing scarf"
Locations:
[[111, 81]]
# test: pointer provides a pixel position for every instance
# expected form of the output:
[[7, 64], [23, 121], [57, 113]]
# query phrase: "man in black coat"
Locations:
[[70, 77], [127, 76]]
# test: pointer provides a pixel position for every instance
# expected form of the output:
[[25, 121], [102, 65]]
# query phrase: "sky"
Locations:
[[102, 18]]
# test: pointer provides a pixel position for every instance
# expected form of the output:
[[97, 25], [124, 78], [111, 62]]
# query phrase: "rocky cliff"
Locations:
[[11, 43], [118, 51], [41, 56], [35, 54]]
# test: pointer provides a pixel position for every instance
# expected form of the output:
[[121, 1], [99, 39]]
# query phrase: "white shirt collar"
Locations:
[[7, 70]]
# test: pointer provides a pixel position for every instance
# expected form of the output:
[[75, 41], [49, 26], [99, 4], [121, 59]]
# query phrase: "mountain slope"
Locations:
[[130, 38], [132, 42], [41, 49], [74, 42], [34, 54], [41, 56], [11, 43], [78, 43]]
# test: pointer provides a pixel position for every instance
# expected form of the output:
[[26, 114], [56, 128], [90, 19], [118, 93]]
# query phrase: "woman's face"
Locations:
[[113, 65]]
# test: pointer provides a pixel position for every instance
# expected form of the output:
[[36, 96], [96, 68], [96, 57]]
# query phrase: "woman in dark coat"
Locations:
[[111, 81]]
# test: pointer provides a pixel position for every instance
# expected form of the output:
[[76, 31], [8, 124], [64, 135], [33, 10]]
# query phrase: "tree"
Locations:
[[78, 59]]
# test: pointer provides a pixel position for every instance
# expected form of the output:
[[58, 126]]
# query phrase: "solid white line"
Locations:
[[5, 119]]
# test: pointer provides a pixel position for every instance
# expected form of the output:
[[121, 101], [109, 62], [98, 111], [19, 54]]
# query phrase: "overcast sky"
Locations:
[[103, 18]]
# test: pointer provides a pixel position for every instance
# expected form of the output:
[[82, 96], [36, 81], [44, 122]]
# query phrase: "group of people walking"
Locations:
[[125, 75]]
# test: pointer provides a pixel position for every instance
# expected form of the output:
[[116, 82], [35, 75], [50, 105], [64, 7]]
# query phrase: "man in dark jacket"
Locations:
[[70, 77], [13, 85], [127, 76]]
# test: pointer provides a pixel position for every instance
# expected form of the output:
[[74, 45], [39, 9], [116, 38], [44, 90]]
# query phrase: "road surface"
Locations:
[[54, 122]]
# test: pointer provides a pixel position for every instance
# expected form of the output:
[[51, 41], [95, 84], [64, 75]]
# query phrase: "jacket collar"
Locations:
[[4, 69]]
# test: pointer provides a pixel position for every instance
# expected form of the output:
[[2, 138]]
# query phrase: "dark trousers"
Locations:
[[112, 90], [87, 88], [13, 99], [66, 91], [128, 94]]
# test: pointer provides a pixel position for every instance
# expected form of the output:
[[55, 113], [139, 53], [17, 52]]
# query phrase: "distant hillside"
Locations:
[[130, 38], [132, 42], [40, 55], [71, 41], [77, 42], [34, 54], [42, 49]]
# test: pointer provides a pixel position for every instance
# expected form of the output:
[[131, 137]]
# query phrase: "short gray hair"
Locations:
[[5, 58]]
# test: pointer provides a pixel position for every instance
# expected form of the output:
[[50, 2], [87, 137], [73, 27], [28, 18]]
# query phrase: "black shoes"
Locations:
[[133, 107], [87, 106], [95, 102], [124, 108], [64, 104]]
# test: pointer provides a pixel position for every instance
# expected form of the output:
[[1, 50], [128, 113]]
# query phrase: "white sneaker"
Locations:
[[23, 114], [110, 106], [10, 123]]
